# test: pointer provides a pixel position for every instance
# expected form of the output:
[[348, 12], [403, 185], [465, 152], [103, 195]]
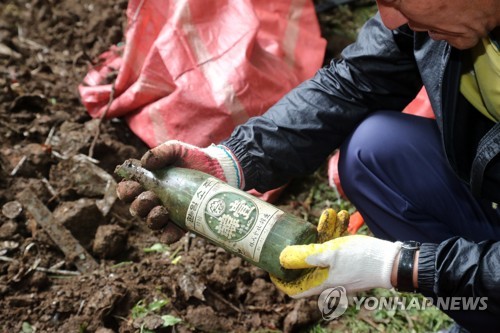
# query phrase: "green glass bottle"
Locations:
[[240, 223]]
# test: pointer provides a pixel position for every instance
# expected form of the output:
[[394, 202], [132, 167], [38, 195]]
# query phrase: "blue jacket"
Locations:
[[383, 70]]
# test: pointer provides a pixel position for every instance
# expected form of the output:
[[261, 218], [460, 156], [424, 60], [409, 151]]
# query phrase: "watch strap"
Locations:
[[406, 265]]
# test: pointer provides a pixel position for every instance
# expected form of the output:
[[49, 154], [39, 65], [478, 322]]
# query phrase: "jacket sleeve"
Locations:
[[296, 135], [461, 268]]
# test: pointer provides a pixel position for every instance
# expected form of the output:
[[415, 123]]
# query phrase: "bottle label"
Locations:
[[231, 218]]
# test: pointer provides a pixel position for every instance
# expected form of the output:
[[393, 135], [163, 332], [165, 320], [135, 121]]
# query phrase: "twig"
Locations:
[[42, 269], [220, 298], [103, 115], [264, 309], [83, 54], [59, 155], [49, 187], [9, 126], [137, 11], [32, 44], [50, 135], [58, 194], [82, 303], [57, 265], [187, 242], [371, 323], [120, 219], [18, 166], [408, 319]]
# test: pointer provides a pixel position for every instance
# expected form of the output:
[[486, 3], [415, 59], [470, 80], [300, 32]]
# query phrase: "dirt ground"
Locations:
[[46, 48]]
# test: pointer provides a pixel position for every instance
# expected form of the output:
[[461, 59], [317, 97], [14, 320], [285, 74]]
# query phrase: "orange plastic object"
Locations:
[[356, 221]]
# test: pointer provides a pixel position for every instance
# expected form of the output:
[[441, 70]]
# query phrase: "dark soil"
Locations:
[[46, 47]]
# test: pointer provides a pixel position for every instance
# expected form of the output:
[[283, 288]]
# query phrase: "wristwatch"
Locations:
[[405, 266]]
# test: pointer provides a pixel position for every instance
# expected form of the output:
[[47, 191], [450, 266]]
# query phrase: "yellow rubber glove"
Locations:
[[355, 262]]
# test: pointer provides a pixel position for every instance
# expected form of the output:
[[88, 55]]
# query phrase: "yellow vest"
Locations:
[[480, 83]]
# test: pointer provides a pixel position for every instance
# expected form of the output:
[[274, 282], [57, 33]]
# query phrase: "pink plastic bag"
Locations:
[[192, 70]]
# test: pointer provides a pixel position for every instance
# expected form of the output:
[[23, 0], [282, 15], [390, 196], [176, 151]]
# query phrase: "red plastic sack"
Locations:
[[192, 70]]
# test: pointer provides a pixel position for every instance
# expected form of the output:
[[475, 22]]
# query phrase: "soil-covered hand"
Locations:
[[217, 161]]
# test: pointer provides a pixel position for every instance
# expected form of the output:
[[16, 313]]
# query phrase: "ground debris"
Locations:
[[305, 312], [8, 52], [81, 218], [41, 269], [12, 209], [60, 235], [80, 175], [192, 286], [8, 230], [110, 241]]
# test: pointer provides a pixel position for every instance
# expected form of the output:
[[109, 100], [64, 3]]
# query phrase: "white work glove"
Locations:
[[355, 262]]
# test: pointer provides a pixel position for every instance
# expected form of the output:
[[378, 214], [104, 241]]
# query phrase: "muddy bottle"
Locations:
[[242, 224]]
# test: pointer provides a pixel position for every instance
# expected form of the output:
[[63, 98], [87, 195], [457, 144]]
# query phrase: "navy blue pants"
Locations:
[[393, 169]]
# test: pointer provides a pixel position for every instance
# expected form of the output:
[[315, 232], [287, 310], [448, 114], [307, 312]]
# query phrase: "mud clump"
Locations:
[[81, 218], [110, 241]]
